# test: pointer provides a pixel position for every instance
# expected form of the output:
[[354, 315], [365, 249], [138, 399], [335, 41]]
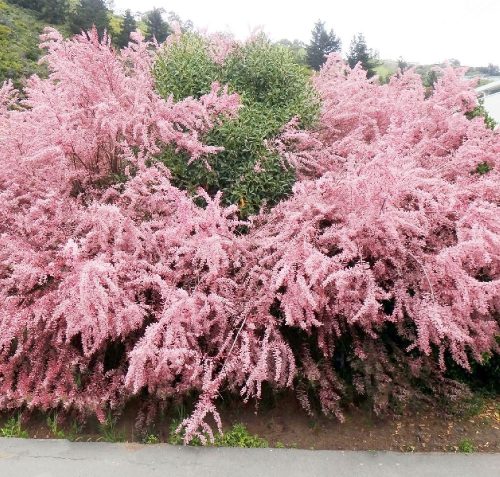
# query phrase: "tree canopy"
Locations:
[[322, 44], [360, 53]]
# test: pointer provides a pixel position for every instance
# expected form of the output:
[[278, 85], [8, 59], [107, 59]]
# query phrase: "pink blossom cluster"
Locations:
[[114, 283]]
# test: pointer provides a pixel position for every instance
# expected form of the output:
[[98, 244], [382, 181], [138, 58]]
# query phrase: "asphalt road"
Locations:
[[492, 105], [60, 458]]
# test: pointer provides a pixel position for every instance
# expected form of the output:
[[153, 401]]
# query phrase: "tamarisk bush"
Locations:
[[391, 240], [381, 267], [86, 261]]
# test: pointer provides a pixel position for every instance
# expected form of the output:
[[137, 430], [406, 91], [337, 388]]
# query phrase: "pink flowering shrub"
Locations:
[[382, 267], [392, 224], [87, 263]]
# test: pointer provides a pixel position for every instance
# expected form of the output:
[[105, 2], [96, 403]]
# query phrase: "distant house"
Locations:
[[491, 96]]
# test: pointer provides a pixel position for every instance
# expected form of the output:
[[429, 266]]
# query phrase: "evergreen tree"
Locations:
[[360, 53], [157, 27], [129, 25], [54, 11], [89, 13], [322, 44], [402, 64]]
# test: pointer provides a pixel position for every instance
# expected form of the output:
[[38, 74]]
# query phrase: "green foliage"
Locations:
[[466, 445], [19, 31], [177, 438], [128, 26], [156, 26], [71, 433], [482, 168], [480, 111], [430, 79], [237, 436], [53, 425], [402, 64], [88, 13], [185, 69], [322, 44], [108, 430], [297, 48], [13, 428], [360, 53], [31, 4], [151, 439], [273, 88], [54, 11]]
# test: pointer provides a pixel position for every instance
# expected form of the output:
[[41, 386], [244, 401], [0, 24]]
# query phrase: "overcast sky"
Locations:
[[424, 31]]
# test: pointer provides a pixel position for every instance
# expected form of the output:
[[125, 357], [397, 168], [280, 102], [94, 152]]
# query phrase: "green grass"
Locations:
[[386, 69]]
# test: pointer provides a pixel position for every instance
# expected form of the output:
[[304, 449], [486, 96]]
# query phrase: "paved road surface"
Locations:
[[60, 458], [492, 105]]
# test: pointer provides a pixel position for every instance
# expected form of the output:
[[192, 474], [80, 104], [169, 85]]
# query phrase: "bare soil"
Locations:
[[285, 424], [423, 431]]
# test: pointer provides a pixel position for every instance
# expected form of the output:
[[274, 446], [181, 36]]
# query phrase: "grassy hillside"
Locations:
[[19, 30], [386, 69]]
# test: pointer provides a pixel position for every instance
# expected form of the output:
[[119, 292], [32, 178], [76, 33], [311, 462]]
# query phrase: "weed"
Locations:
[[74, 431], [13, 428], [408, 448], [279, 445], [177, 438], [109, 432], [54, 428], [238, 436], [466, 445], [151, 439]]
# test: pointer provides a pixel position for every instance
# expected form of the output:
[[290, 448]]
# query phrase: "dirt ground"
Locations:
[[286, 424], [425, 431]]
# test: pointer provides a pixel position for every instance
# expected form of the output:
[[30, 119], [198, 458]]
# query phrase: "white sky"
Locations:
[[424, 31]]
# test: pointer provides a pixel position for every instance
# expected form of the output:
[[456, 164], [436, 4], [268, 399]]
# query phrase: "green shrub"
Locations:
[[185, 68], [273, 88]]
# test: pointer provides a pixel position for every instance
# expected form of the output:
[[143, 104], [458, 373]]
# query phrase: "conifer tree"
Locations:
[[90, 13], [129, 25], [157, 27], [360, 53], [322, 44]]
